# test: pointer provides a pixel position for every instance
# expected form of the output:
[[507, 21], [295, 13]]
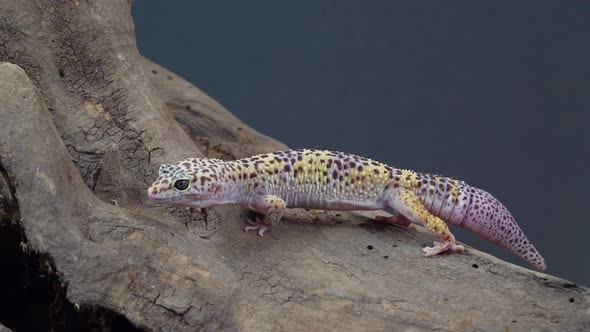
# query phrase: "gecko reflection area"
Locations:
[[319, 179]]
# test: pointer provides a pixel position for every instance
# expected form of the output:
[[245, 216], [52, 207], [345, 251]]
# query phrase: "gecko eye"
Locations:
[[181, 185]]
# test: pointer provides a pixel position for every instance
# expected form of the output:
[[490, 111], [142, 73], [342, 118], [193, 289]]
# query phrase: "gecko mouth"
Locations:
[[182, 200]]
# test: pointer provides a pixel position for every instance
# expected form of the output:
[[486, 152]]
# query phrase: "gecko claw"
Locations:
[[442, 247], [256, 226]]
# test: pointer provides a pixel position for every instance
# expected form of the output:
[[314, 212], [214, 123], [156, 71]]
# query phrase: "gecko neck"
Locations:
[[234, 187]]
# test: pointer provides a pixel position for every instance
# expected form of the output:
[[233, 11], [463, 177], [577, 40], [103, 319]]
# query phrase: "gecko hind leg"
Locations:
[[409, 205]]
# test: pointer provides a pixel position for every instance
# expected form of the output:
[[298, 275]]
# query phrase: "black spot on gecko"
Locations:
[[204, 179], [335, 174], [287, 168]]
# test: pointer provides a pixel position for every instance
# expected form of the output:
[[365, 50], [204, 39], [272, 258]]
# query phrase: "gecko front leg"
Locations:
[[273, 208]]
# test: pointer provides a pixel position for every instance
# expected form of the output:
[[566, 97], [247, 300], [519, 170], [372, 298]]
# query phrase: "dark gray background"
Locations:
[[493, 93]]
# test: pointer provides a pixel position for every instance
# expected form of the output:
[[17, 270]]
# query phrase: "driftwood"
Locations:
[[85, 122]]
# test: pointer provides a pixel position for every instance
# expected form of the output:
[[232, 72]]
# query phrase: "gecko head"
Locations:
[[190, 182]]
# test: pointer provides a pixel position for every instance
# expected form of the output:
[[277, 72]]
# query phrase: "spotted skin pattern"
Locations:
[[321, 179]]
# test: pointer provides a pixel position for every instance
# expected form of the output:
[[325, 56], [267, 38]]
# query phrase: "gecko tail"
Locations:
[[490, 219]]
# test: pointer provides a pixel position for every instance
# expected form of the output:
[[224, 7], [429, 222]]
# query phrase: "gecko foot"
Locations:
[[256, 226], [442, 247], [396, 220]]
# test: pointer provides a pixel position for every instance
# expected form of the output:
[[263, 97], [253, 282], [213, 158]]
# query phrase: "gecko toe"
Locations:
[[440, 247], [430, 251], [256, 226], [250, 228], [261, 231], [259, 228], [457, 247], [254, 223]]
